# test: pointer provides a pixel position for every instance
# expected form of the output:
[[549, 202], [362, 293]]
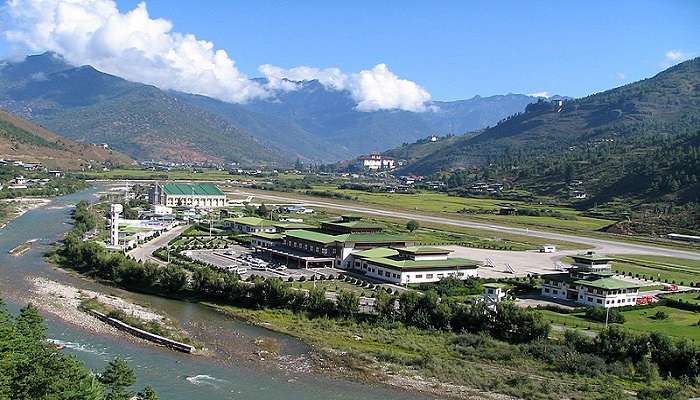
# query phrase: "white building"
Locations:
[[250, 225], [376, 162], [591, 283], [406, 265]]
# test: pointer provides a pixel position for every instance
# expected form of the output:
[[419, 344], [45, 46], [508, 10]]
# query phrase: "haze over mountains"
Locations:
[[311, 123]]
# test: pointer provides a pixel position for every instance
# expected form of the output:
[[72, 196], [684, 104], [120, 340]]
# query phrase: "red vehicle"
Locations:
[[671, 288], [644, 300]]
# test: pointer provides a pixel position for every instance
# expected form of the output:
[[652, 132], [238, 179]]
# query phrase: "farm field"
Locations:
[[659, 268]]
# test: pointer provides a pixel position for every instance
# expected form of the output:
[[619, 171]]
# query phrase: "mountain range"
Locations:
[[666, 104], [312, 123]]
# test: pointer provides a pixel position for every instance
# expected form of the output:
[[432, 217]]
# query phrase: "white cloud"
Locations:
[[380, 89], [620, 76], [137, 47], [285, 79], [131, 45], [673, 57], [374, 89], [540, 94]]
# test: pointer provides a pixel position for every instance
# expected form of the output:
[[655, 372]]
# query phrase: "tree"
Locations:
[[148, 394], [262, 210], [30, 324], [118, 377], [412, 225], [348, 304]]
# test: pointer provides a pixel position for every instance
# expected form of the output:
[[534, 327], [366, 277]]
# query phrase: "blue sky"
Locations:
[[453, 49]]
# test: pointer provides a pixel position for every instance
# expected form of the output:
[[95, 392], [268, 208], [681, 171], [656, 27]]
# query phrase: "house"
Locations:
[[376, 162], [412, 264], [250, 225], [494, 292], [506, 210], [201, 195], [56, 173], [591, 282]]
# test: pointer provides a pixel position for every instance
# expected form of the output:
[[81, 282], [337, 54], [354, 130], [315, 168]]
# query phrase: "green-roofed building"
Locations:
[[411, 264], [591, 282], [249, 225], [200, 195], [333, 241]]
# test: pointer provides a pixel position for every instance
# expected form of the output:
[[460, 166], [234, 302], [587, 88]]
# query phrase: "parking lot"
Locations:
[[247, 263]]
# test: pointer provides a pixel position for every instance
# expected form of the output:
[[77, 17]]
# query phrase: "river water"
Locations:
[[230, 374]]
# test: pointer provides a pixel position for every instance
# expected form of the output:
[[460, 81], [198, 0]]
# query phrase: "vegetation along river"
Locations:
[[231, 372]]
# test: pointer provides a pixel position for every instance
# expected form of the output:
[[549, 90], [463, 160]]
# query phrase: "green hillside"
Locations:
[[634, 151]]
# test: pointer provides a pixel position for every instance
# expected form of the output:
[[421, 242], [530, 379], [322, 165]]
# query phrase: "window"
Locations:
[[419, 276], [599, 301], [546, 290], [590, 299], [555, 291], [429, 276], [441, 275]]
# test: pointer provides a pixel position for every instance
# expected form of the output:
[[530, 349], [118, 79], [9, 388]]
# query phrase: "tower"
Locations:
[[114, 211]]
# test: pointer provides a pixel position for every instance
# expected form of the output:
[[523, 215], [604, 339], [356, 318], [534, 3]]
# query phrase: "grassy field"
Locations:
[[680, 324], [693, 298], [474, 208], [488, 366], [659, 268]]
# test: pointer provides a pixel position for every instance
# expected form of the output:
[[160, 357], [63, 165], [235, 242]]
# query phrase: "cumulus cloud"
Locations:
[[673, 57], [131, 45], [373, 89], [140, 48], [620, 76]]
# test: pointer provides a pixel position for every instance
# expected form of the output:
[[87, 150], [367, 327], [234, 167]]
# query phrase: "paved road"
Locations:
[[144, 252], [608, 246]]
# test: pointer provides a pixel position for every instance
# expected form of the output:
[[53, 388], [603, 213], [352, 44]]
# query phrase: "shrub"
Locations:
[[659, 315]]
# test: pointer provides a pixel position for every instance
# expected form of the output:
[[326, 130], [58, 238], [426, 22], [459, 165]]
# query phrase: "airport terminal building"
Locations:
[[201, 195]]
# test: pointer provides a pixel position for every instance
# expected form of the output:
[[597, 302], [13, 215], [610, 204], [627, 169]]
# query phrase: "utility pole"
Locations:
[[607, 315]]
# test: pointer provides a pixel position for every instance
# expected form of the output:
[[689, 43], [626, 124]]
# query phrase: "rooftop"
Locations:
[[269, 236], [253, 221], [495, 285], [292, 225], [423, 264], [591, 256], [379, 252], [189, 189], [607, 283], [312, 236], [422, 250]]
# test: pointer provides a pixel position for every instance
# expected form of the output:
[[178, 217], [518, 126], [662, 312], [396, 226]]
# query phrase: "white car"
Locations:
[[281, 268]]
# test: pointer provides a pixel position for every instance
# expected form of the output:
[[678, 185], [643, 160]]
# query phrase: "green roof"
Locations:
[[354, 224], [197, 189], [591, 256], [607, 283], [293, 225], [312, 236], [372, 237], [379, 252], [423, 264], [253, 221], [269, 236], [422, 250]]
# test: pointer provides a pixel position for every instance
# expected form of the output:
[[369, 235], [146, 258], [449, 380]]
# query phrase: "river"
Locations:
[[230, 374]]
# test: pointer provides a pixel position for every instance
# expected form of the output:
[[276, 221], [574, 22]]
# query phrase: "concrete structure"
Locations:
[[494, 292], [114, 211], [376, 162], [201, 195], [406, 265], [590, 282]]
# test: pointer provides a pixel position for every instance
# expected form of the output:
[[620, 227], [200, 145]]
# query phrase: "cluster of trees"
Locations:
[[31, 368], [653, 355]]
